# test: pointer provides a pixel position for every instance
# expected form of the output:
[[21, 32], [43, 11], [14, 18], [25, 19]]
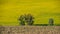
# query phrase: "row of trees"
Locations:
[[29, 20]]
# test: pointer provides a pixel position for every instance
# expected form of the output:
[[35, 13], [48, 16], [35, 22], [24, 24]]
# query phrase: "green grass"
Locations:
[[45, 25], [40, 24]]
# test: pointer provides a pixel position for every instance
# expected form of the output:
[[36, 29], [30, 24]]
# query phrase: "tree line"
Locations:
[[29, 20]]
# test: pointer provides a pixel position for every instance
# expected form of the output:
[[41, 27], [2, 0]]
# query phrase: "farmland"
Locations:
[[29, 29], [42, 10]]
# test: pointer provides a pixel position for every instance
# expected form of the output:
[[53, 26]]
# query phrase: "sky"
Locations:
[[42, 10]]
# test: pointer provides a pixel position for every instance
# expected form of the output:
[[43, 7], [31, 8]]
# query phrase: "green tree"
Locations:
[[51, 22], [29, 19], [22, 20]]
